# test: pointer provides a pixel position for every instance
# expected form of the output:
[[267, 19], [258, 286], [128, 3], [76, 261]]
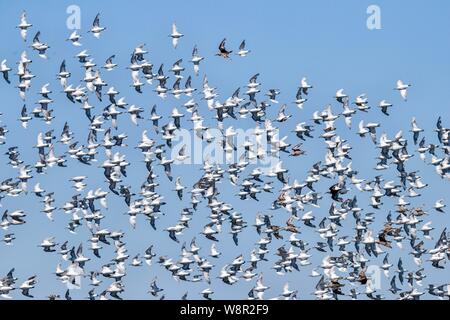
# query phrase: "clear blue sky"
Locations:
[[327, 41]]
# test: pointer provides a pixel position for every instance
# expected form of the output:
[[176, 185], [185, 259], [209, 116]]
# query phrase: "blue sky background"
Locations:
[[327, 41]]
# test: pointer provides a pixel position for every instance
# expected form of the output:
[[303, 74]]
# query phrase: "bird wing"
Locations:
[[62, 68], [222, 45], [174, 42], [96, 22], [36, 37], [109, 60], [253, 79], [174, 28], [23, 18]]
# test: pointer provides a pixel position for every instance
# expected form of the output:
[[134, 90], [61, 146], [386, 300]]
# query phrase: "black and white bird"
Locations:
[[109, 64], [196, 58], [4, 69], [74, 37], [242, 51], [96, 29], [39, 46]]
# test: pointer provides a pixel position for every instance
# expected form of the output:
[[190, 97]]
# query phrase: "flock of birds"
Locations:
[[345, 253]]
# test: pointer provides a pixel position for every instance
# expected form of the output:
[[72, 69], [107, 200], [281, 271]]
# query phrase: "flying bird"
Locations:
[[175, 35], [242, 51], [24, 25], [96, 29], [223, 52], [403, 89], [4, 69]]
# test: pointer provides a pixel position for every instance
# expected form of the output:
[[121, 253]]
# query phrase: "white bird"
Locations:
[[4, 69], [440, 205], [27, 285], [415, 130], [384, 105], [206, 293], [196, 60], [286, 292], [403, 89], [175, 35], [341, 96], [305, 86], [179, 188], [74, 38], [24, 25], [426, 229], [361, 102], [37, 190], [260, 288], [48, 244], [214, 253], [182, 155]]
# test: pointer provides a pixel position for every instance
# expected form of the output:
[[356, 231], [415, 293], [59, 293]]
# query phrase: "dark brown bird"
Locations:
[[389, 230], [418, 211], [290, 226], [281, 252], [276, 231], [297, 151], [224, 53], [335, 190], [335, 286], [281, 198], [402, 209], [382, 240], [362, 278]]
